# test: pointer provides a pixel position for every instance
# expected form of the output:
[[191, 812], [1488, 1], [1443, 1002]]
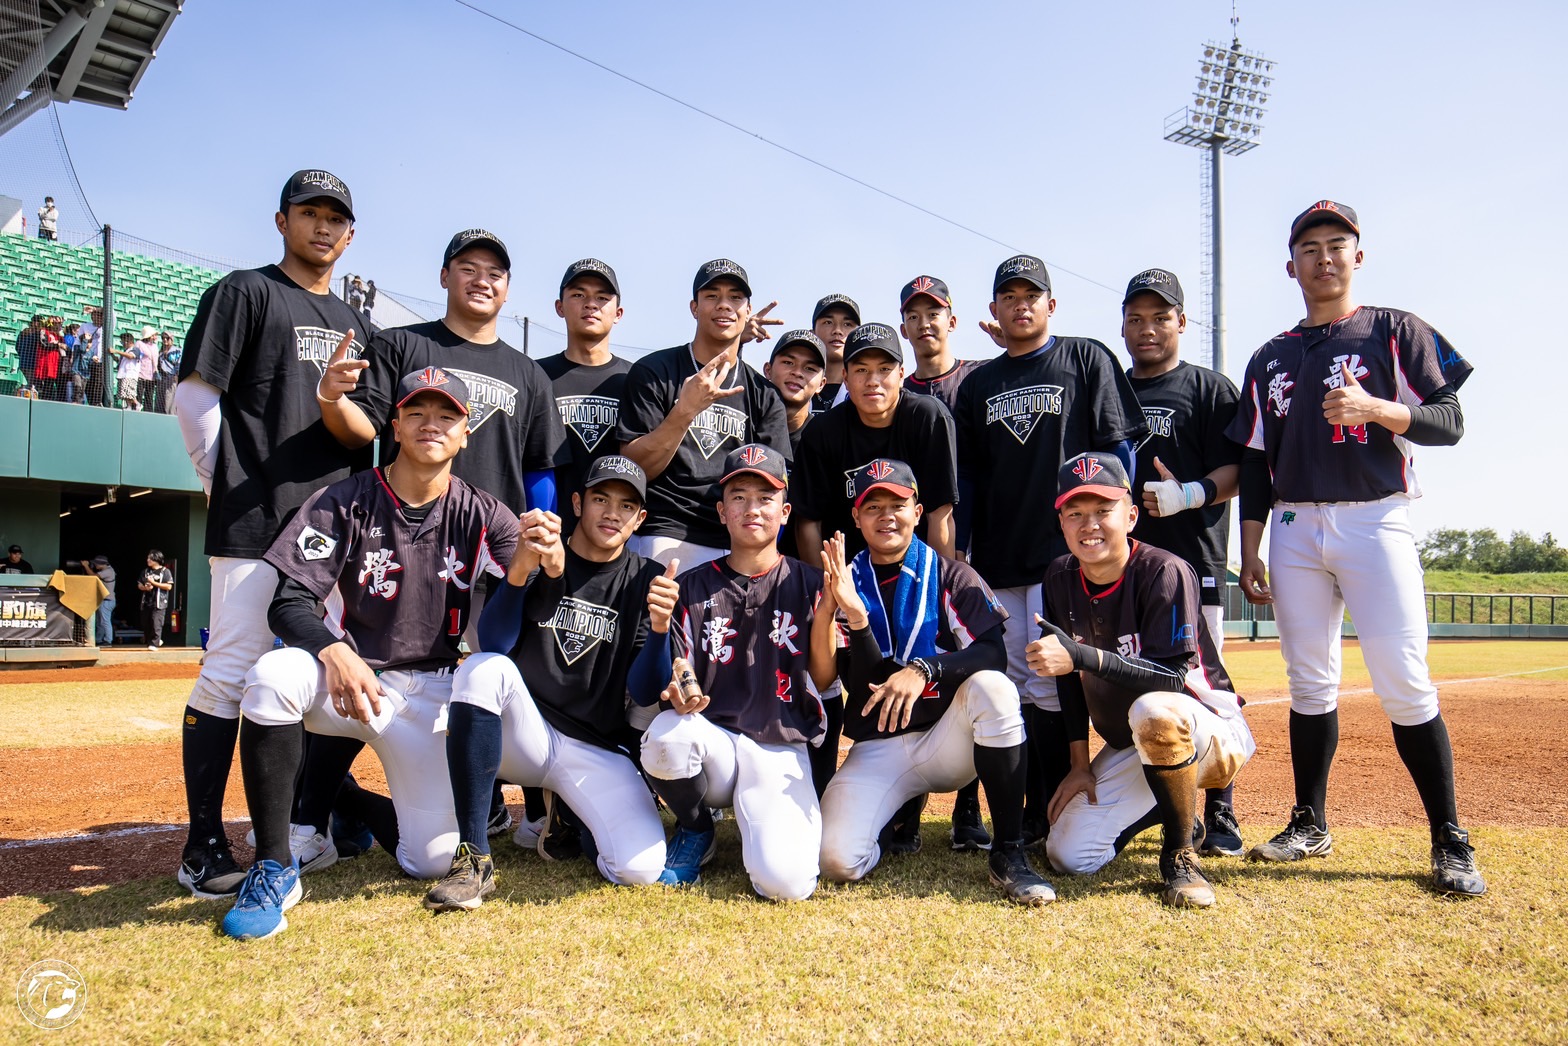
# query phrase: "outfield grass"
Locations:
[[1348, 948], [1466, 581]]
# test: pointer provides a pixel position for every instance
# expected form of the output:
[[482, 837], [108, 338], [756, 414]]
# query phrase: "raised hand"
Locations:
[[994, 329], [706, 387], [1351, 404], [342, 374], [663, 596], [756, 327], [839, 583], [541, 536], [1049, 655], [1169, 495]]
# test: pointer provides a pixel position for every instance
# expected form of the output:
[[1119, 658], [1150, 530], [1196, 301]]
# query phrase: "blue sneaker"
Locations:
[[269, 890], [687, 853]]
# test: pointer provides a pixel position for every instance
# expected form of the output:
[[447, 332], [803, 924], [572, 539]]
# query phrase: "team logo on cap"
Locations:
[[583, 265], [879, 470], [433, 377], [1149, 277], [753, 455], [322, 180], [872, 332], [1020, 410], [723, 267], [1325, 205], [1018, 264], [835, 299], [579, 626], [476, 234], [589, 417], [921, 285], [486, 395], [1087, 469]]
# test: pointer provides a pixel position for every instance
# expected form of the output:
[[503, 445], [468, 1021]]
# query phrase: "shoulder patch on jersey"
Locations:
[[314, 545]]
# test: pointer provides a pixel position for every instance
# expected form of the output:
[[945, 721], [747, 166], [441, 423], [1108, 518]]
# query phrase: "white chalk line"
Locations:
[[1364, 690], [152, 829]]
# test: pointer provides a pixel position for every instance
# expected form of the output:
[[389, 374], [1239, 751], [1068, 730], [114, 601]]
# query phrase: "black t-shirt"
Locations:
[[513, 427], [580, 633], [157, 598], [944, 387], [1188, 409], [1151, 613], [398, 590], [788, 544], [682, 499], [263, 341], [838, 444], [1018, 419], [969, 609], [21, 566], [589, 402], [1395, 356]]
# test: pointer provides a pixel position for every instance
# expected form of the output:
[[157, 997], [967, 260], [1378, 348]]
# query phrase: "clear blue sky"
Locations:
[[1039, 124]]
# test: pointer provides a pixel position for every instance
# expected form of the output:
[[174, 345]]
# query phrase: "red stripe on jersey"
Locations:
[[382, 479], [955, 624]]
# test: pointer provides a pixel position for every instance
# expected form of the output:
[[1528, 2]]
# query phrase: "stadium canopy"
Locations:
[[92, 51]]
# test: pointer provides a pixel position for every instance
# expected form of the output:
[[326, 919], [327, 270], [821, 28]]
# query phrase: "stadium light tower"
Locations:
[[1225, 117]]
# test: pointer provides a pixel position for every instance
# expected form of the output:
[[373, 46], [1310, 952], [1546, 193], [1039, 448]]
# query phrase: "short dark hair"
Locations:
[[155, 555]]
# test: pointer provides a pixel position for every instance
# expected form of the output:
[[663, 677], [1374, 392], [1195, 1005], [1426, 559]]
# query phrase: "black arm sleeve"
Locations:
[[1138, 674], [293, 618], [1075, 708], [1439, 422], [1256, 486], [865, 659], [988, 651]]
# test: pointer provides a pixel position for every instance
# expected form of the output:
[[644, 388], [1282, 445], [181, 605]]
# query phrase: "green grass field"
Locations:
[[1465, 581], [1348, 948]]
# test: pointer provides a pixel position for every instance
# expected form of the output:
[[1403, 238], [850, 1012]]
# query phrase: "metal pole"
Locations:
[[525, 335], [106, 338], [1217, 246]]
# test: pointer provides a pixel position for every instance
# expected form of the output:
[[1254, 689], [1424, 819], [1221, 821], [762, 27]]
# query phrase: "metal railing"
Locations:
[[1496, 608]]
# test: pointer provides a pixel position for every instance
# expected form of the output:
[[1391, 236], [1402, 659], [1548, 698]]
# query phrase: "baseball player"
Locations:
[[587, 378], [743, 712], [685, 408], [544, 704], [246, 407], [393, 554], [832, 320], [926, 701], [1131, 652], [1019, 416], [1330, 413], [1188, 471]]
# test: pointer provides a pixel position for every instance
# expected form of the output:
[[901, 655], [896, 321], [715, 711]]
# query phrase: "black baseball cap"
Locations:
[[621, 468], [476, 238], [1024, 267], [800, 337], [1324, 211], [835, 301], [930, 286], [758, 458], [15, 548], [720, 269], [870, 336], [1156, 281], [590, 267], [432, 379], [1097, 472], [887, 473], [314, 184]]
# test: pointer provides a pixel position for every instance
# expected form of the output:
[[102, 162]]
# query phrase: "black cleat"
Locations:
[[968, 826], [1301, 838], [1454, 870], [1185, 886], [1020, 883], [208, 870], [560, 839], [901, 835], [1223, 833]]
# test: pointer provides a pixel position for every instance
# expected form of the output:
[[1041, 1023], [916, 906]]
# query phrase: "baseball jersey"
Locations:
[[580, 633], [397, 590], [1151, 612], [589, 402], [263, 341], [1188, 409], [944, 387], [682, 498], [749, 643], [968, 609], [513, 427], [1018, 419], [838, 444], [1395, 356]]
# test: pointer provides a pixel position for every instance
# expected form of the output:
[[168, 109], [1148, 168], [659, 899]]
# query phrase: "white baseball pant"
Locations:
[[1022, 604], [602, 787], [1167, 729], [237, 634], [666, 549], [880, 776], [1215, 616], [768, 785], [1360, 555], [409, 737]]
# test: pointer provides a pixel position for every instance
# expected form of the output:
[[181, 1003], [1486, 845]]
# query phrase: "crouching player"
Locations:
[[394, 554], [545, 704], [738, 733], [926, 699], [1134, 656]]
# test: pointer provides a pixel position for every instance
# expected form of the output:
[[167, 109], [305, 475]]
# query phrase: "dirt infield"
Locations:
[[1509, 737]]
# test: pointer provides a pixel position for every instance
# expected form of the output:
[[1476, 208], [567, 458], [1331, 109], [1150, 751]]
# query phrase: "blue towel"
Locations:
[[916, 602]]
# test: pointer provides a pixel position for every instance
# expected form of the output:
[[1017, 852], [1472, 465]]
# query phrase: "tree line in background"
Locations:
[[1483, 551]]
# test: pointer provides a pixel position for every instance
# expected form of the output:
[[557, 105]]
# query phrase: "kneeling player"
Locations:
[[545, 704], [738, 734], [926, 700], [394, 554], [1134, 655]]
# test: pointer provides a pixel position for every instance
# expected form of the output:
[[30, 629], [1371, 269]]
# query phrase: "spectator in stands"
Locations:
[[94, 326], [49, 220], [14, 563], [356, 293], [370, 296], [47, 361], [105, 618], [128, 372], [156, 584], [83, 356], [169, 356], [27, 347], [147, 377]]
